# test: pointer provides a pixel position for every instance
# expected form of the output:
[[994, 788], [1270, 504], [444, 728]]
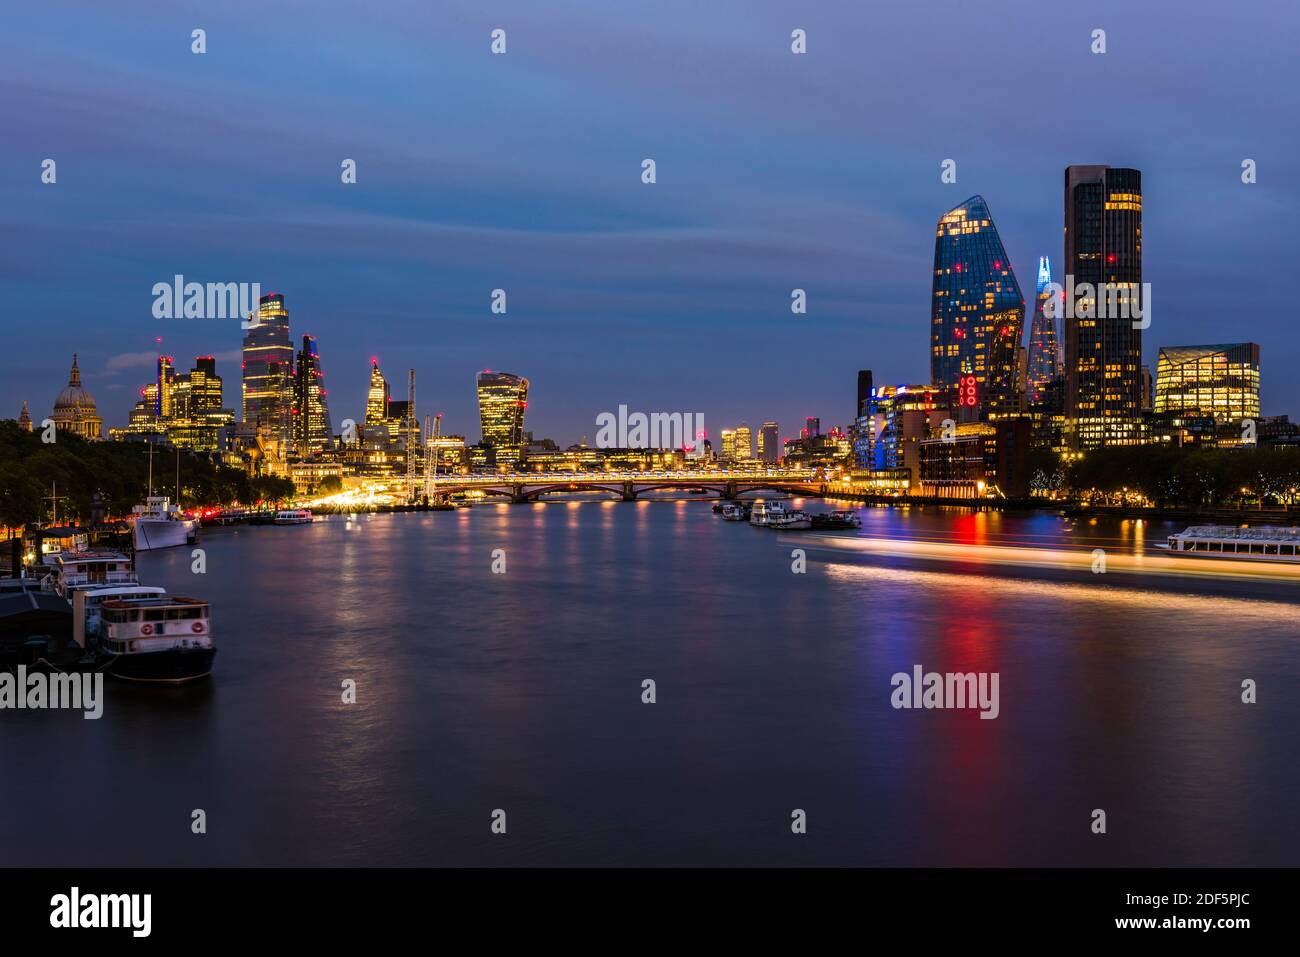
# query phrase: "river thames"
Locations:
[[521, 690]]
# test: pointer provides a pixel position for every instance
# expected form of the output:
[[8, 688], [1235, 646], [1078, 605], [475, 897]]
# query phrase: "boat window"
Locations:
[[155, 614]]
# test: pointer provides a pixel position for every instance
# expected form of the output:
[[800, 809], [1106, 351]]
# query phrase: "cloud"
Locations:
[[125, 361]]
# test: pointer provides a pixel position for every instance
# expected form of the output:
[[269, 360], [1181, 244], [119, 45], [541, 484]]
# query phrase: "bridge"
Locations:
[[530, 486]]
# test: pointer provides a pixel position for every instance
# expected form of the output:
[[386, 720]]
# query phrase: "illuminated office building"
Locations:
[[728, 445], [311, 420], [377, 396], [268, 375], [1103, 338], [977, 310], [744, 444], [1219, 381], [502, 402]]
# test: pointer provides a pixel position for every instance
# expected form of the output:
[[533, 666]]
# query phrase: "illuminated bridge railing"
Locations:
[[698, 478]]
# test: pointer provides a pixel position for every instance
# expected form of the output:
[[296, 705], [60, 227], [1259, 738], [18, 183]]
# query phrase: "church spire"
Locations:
[[75, 379]]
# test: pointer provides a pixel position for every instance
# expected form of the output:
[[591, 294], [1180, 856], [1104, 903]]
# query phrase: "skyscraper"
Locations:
[[744, 444], [502, 401], [377, 396], [977, 310], [268, 366], [812, 427], [769, 442], [1044, 362], [311, 422], [1103, 338], [864, 392]]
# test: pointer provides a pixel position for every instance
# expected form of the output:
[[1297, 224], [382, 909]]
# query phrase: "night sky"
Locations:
[[523, 171]]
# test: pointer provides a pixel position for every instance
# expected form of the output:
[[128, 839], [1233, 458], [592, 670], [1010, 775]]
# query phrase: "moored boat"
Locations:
[[789, 521], [293, 516], [162, 639], [1266, 543], [838, 519], [159, 523]]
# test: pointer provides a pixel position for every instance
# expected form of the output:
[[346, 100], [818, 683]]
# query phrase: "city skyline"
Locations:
[[628, 289]]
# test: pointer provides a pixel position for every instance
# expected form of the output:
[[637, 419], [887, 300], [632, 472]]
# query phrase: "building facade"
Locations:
[[1220, 381], [977, 310], [268, 376], [1103, 283], [311, 414], [502, 403]]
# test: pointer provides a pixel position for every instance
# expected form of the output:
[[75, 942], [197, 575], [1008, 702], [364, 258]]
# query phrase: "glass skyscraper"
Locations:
[[977, 310], [311, 422], [1103, 265], [268, 367], [502, 402], [1045, 358], [1221, 381]]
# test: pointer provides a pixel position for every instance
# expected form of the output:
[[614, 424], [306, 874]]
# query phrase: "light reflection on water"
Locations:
[[522, 691]]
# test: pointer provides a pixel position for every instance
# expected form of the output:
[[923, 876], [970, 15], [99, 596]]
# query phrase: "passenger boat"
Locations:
[[837, 520], [1266, 543], [293, 516], [158, 523], [158, 639]]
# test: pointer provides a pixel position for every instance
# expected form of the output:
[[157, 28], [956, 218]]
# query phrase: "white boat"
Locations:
[[734, 512], [789, 521], [293, 516], [89, 577], [761, 512], [157, 639], [1265, 543], [89, 568], [160, 524]]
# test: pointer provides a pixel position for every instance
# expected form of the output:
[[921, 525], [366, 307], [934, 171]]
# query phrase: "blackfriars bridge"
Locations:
[[528, 487]]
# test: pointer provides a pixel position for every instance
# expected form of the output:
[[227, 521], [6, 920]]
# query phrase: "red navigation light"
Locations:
[[997, 265], [1111, 258], [957, 268], [1006, 330], [374, 360]]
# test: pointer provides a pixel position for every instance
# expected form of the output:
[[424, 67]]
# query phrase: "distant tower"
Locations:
[[1044, 343], [25, 418], [377, 397], [744, 444], [769, 443]]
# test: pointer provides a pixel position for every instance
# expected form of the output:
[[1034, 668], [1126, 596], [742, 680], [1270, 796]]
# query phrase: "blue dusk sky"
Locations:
[[523, 172]]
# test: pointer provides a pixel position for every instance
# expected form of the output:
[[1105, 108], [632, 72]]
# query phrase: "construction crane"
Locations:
[[431, 462]]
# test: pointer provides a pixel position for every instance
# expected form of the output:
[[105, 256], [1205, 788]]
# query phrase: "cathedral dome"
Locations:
[[75, 398]]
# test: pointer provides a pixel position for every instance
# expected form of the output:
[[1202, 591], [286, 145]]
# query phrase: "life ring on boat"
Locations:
[[146, 629], [196, 627]]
